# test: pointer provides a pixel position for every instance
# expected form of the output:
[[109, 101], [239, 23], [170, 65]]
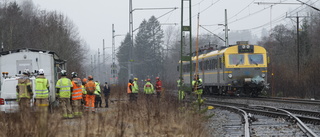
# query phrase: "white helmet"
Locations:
[[26, 71], [63, 73], [41, 72], [74, 74]]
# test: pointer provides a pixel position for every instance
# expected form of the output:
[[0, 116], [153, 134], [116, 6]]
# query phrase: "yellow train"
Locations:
[[236, 70]]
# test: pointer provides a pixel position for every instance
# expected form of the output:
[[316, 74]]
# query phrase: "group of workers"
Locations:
[[148, 88], [71, 93], [197, 87]]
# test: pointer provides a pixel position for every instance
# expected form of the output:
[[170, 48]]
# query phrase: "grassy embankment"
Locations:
[[123, 119]]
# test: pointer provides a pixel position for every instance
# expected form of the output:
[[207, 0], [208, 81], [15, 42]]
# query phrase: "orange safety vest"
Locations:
[[76, 91], [129, 88], [90, 87]]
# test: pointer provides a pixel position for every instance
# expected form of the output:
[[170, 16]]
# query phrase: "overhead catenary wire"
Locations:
[[203, 10], [241, 10], [280, 18], [276, 20]]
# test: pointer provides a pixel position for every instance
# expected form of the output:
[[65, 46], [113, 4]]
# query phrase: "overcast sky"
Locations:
[[94, 18]]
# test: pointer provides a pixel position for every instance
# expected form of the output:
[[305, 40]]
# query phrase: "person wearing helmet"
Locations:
[[129, 90], [24, 90], [135, 88], [42, 91], [181, 94], [197, 86], [158, 87], [64, 90], [148, 88], [84, 92], [42, 99], [76, 94], [97, 92], [90, 97]]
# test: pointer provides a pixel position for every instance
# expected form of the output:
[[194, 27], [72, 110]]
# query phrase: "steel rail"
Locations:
[[314, 120], [244, 116], [302, 126]]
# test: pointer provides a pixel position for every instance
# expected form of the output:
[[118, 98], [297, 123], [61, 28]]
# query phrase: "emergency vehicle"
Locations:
[[14, 62]]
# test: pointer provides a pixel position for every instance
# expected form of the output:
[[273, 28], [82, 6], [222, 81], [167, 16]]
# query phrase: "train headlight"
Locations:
[[263, 75], [230, 75]]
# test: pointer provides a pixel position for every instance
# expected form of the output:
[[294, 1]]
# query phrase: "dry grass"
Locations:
[[146, 118]]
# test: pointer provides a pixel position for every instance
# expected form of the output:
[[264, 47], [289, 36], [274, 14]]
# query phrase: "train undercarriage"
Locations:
[[246, 90]]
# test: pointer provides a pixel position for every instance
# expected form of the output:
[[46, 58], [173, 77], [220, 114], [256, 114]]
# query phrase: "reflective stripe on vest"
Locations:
[[148, 88], [24, 92], [135, 87], [42, 88], [84, 90], [64, 84], [76, 91], [97, 91], [22, 85]]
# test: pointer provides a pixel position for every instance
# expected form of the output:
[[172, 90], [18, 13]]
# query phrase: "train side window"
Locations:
[[214, 64]]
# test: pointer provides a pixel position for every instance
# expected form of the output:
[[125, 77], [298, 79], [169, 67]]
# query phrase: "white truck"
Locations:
[[14, 62]]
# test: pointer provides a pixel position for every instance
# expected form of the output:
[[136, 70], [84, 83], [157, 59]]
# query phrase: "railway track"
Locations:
[[273, 99], [271, 118]]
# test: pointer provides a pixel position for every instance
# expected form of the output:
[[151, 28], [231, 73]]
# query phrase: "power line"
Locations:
[[203, 10], [309, 5], [249, 15], [241, 10]]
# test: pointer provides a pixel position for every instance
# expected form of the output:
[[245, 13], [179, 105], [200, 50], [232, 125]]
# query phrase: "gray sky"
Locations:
[[94, 19]]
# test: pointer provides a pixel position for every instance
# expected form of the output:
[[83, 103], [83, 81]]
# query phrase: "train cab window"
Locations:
[[256, 59], [236, 59]]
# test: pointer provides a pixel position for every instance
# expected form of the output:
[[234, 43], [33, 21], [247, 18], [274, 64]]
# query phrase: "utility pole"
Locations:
[[91, 65], [131, 34], [226, 39], [186, 28], [113, 66], [98, 64], [298, 46], [226, 28], [104, 62], [131, 30]]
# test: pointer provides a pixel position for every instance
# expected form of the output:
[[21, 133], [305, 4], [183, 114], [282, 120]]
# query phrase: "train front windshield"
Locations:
[[236, 59], [245, 59], [256, 59]]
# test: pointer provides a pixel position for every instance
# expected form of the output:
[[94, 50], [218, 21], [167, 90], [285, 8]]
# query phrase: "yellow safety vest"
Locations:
[[65, 85], [42, 85]]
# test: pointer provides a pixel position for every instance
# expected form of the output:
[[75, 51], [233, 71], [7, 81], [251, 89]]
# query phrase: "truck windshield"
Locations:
[[255, 59], [236, 59]]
